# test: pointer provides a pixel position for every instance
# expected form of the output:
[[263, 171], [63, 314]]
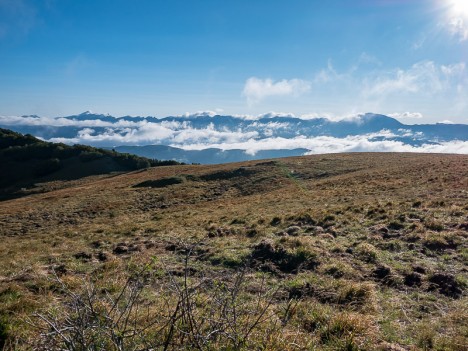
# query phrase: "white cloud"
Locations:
[[423, 77], [356, 117], [426, 86], [325, 144], [199, 114], [404, 115], [455, 18], [146, 133], [63, 122], [456, 69], [249, 135], [276, 114], [202, 139], [410, 81], [458, 27], [257, 89], [210, 135], [167, 132], [331, 75], [365, 58], [327, 74]]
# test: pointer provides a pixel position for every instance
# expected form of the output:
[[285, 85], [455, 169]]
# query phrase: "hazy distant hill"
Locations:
[[206, 156]]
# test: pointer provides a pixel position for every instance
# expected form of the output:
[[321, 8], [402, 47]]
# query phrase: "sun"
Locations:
[[458, 8]]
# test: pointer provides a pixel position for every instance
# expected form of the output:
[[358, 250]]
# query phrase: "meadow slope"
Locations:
[[362, 251]]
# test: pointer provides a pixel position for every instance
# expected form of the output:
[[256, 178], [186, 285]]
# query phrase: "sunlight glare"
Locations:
[[459, 7]]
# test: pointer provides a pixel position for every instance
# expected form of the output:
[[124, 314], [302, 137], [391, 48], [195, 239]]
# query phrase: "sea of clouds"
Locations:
[[250, 135]]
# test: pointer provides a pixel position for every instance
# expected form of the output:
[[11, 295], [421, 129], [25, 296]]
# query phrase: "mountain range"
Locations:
[[212, 138]]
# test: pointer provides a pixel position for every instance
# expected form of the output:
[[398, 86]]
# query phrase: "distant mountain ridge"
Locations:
[[213, 138], [284, 126]]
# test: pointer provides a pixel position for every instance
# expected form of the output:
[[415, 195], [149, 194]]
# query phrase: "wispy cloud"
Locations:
[[77, 64], [413, 80], [425, 77], [404, 115], [459, 28], [420, 42], [453, 70], [257, 89], [367, 59], [329, 74], [457, 19]]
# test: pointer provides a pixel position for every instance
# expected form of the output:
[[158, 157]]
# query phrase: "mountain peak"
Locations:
[[91, 113], [377, 118]]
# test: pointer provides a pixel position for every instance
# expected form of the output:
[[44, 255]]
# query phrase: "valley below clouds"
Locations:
[[283, 134]]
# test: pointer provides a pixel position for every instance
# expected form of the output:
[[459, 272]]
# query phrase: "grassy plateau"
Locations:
[[362, 251]]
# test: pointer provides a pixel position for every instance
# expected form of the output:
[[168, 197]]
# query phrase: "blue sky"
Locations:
[[329, 58]]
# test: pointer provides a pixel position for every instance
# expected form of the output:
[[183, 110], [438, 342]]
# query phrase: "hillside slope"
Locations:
[[328, 252], [26, 160]]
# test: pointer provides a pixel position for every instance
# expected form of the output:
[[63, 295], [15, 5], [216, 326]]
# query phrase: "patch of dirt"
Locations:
[[102, 256], [275, 258], [384, 275], [84, 256], [219, 232], [446, 284], [198, 251], [307, 290], [382, 272], [419, 269], [227, 175], [413, 279], [126, 248], [160, 183], [440, 244]]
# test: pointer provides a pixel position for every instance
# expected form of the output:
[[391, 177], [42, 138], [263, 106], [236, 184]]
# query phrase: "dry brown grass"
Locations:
[[377, 227]]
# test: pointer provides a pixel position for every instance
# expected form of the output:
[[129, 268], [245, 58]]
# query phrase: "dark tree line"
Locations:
[[24, 158]]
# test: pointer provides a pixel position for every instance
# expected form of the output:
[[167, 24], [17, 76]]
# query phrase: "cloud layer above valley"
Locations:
[[358, 133], [326, 144]]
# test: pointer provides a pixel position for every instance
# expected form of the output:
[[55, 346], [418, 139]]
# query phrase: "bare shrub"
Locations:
[[156, 309]]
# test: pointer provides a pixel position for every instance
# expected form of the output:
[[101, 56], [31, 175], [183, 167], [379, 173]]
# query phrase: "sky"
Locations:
[[334, 58]]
